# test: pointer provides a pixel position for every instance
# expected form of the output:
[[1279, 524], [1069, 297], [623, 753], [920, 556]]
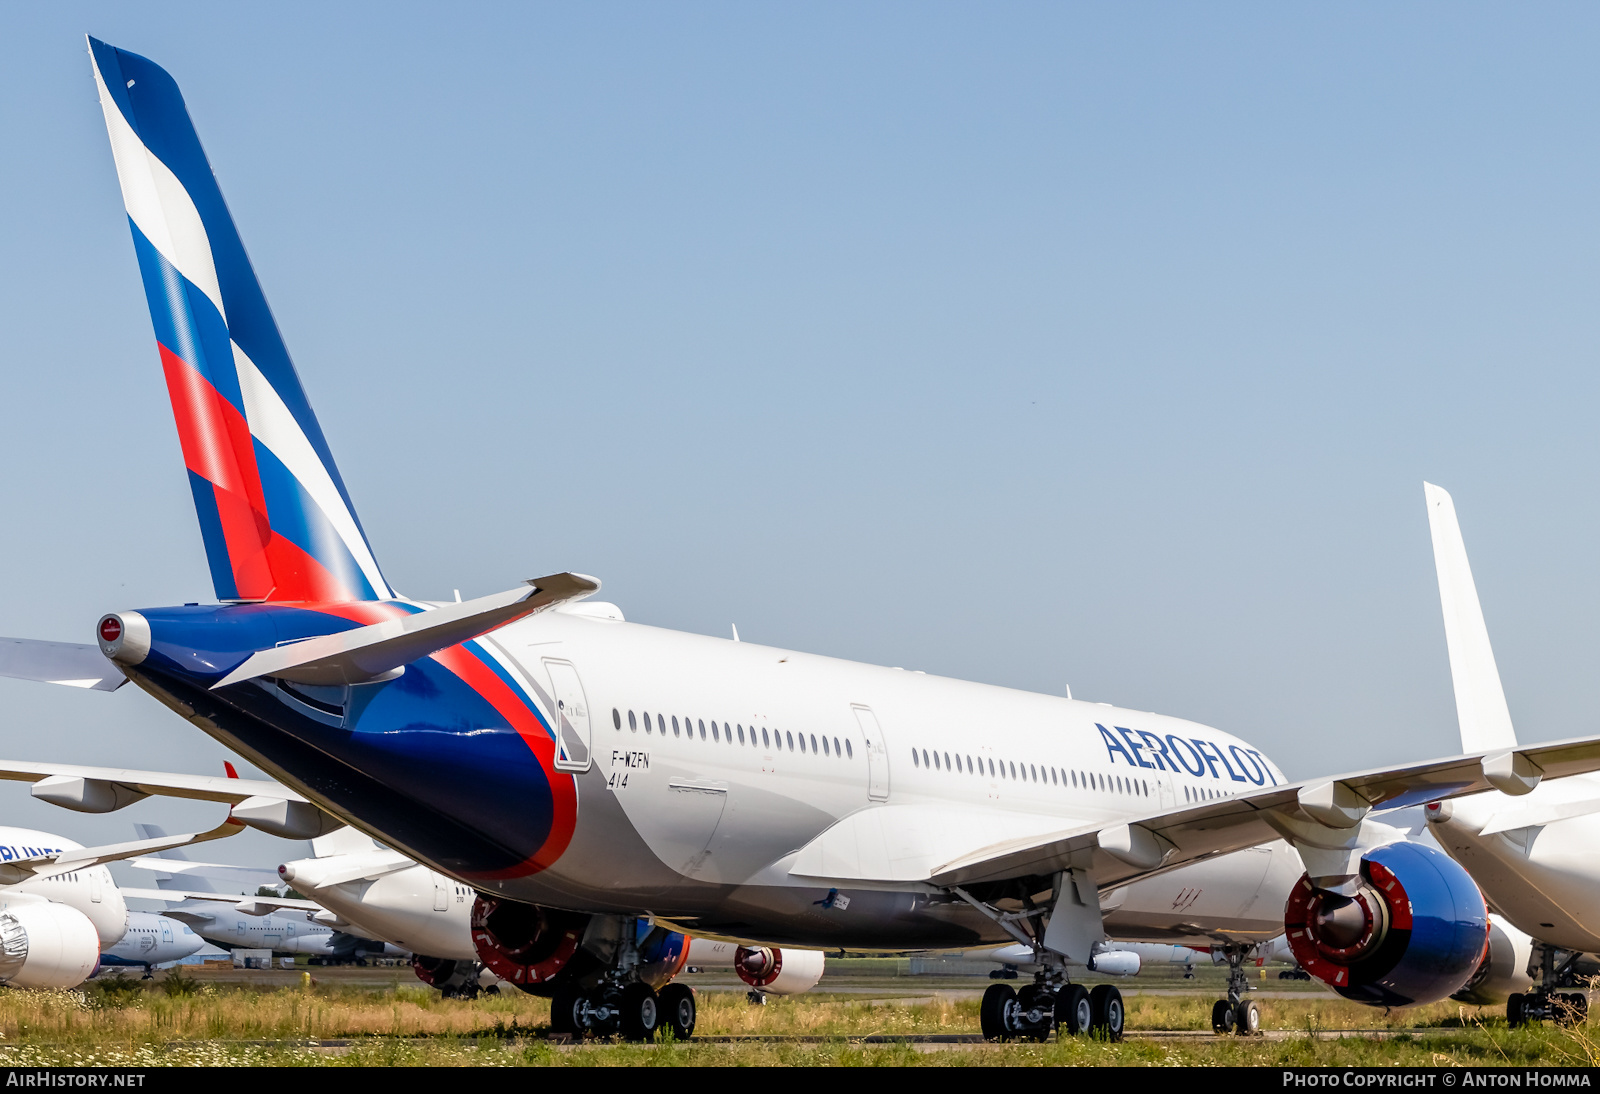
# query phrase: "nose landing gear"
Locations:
[[1236, 1014]]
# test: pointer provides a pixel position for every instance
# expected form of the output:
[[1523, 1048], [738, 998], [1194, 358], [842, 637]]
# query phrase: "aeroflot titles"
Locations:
[[1166, 753]]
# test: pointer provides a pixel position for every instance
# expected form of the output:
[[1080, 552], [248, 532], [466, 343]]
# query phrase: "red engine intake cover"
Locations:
[[1383, 904], [522, 943], [758, 968]]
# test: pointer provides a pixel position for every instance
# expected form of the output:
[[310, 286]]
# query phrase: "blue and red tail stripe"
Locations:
[[274, 512]]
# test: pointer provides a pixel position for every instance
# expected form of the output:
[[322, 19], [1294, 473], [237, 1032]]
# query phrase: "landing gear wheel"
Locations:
[[1074, 1014], [1247, 1019], [1222, 1017], [1514, 1015], [997, 1012], [1036, 1011], [1570, 1008], [566, 1009], [1105, 1002], [678, 1010], [641, 1012]]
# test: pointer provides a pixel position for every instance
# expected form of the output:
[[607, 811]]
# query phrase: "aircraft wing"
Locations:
[[70, 663], [82, 858], [248, 876], [260, 803], [1322, 813], [249, 905], [115, 783]]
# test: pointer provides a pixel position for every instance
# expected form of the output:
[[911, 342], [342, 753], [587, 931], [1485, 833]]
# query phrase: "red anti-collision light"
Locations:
[[110, 629]]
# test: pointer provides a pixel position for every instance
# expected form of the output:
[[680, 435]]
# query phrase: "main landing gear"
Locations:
[[1567, 1008], [1030, 1014], [1236, 1014], [634, 1012]]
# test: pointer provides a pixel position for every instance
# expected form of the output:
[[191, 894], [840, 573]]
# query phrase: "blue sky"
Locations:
[[1101, 345]]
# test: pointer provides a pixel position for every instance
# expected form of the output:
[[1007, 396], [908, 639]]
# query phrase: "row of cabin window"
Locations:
[[782, 738], [1030, 773]]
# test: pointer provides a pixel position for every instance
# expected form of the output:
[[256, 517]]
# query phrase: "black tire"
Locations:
[[641, 1013], [1564, 1006], [565, 1011], [1222, 1017], [1105, 1002], [1074, 1015], [678, 1010], [1247, 1018], [996, 1011], [1515, 1014]]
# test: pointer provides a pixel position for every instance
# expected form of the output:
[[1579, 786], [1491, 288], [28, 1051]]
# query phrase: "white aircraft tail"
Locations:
[[1481, 709]]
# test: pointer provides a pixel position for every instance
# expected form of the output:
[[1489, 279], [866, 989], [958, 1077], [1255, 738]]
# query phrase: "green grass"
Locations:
[[188, 1021]]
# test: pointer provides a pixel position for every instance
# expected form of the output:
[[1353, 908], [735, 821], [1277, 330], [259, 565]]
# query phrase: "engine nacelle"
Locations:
[[1503, 971], [524, 943], [47, 945], [1414, 932], [662, 954], [447, 974], [1115, 963], [778, 972]]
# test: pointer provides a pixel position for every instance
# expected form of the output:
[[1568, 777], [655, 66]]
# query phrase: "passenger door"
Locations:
[[877, 753], [571, 716]]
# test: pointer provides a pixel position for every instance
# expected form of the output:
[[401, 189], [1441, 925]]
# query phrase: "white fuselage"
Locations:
[[415, 908], [90, 890], [282, 932], [706, 765], [153, 939], [1542, 877]]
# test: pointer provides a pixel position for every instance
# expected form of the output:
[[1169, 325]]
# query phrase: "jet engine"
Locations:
[[662, 954], [524, 943], [449, 975], [47, 945], [1503, 972], [778, 972], [1414, 931]]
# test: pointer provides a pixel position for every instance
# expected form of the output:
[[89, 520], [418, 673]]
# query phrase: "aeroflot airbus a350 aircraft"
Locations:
[[576, 769]]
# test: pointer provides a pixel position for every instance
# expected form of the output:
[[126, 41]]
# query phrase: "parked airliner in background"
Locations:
[[151, 941], [195, 894], [1530, 847], [59, 908], [580, 772]]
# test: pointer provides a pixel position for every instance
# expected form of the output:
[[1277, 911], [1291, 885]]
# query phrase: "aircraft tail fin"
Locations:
[[276, 519], [171, 881], [1481, 708]]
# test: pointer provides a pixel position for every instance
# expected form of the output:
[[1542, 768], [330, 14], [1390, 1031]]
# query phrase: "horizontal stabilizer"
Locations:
[[70, 663], [366, 653], [310, 875]]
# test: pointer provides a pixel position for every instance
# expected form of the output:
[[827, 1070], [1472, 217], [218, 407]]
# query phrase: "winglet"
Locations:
[[1481, 709]]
